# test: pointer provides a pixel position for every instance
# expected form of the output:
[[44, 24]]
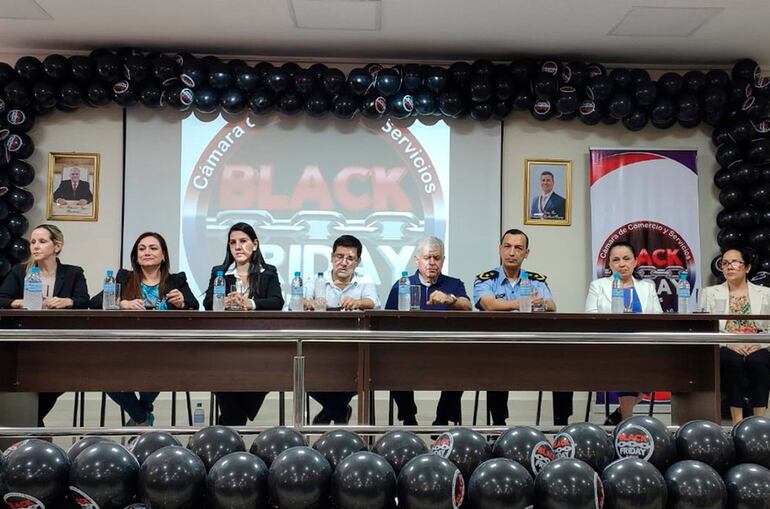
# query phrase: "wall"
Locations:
[[563, 252], [95, 246]]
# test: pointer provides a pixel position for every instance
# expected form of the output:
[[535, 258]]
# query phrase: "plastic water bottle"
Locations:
[[319, 293], [404, 295], [33, 290], [618, 294], [297, 294], [525, 293], [682, 294], [199, 415], [219, 292], [108, 292]]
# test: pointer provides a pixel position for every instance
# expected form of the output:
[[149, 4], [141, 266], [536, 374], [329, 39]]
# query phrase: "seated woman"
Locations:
[[64, 287], [260, 290], [644, 299], [738, 362], [149, 285]]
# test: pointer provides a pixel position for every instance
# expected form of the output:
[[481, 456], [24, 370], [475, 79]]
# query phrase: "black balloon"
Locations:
[[745, 218], [374, 106], [705, 441], [35, 472], [425, 102], [272, 442], [500, 483], [57, 67], [18, 94], [731, 197], [752, 440], [232, 100], [450, 104], [247, 79], [727, 154], [633, 483], [584, 441], [760, 195], [645, 93], [636, 120], [662, 111], [172, 478], [567, 101], [277, 80], [108, 68], [317, 104], [401, 105], [359, 81], [303, 82], [338, 445], [70, 95], [748, 487], [45, 95], [20, 199], [523, 99], [695, 81], [599, 88], [588, 113], [5, 237], [238, 481], [289, 103], [105, 475], [744, 173], [430, 482], [363, 479], [83, 444], [728, 238], [574, 74], [542, 109], [412, 78], [504, 85], [482, 112], [98, 94], [206, 99], [261, 101], [82, 68], [479, 88], [459, 73], [147, 443], [16, 223], [740, 129], [19, 121], [151, 96], [464, 447], [214, 442], [436, 79], [670, 84], [345, 106], [399, 447], [29, 68], [545, 85], [759, 150], [523, 70], [299, 477], [646, 438], [714, 99], [694, 485], [387, 82], [688, 108], [526, 445], [136, 68], [291, 68], [568, 483], [746, 69], [333, 81]]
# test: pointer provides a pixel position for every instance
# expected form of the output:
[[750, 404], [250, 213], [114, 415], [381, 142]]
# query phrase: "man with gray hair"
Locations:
[[441, 293], [73, 189]]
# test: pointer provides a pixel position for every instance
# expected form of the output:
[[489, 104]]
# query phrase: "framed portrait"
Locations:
[[548, 192], [73, 186]]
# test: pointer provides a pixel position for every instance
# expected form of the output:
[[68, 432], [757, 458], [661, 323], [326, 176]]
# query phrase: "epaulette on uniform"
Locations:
[[534, 276], [491, 274]]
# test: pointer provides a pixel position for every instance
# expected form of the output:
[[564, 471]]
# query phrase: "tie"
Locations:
[[74, 189], [542, 204]]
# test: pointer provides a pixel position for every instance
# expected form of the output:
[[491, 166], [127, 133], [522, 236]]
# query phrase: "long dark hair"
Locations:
[[132, 290], [257, 261]]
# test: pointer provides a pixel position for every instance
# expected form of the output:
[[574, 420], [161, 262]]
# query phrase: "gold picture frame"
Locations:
[[548, 203], [73, 186]]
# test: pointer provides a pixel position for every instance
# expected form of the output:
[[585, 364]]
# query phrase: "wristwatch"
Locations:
[[454, 299]]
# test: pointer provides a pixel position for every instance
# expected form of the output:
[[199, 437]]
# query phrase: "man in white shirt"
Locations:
[[345, 289]]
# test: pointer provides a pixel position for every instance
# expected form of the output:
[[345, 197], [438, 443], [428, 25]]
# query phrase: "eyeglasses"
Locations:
[[732, 264], [340, 257]]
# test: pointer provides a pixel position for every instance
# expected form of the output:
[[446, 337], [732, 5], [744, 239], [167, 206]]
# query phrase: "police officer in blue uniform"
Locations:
[[498, 290]]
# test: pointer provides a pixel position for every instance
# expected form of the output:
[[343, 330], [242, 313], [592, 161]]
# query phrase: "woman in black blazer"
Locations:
[[261, 291], [149, 285], [67, 287]]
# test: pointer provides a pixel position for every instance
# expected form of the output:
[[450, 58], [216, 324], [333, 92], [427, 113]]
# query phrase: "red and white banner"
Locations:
[[649, 198]]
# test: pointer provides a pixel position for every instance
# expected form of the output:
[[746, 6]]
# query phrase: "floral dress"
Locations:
[[741, 306]]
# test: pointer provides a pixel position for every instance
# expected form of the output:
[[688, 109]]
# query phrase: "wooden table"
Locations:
[[361, 352]]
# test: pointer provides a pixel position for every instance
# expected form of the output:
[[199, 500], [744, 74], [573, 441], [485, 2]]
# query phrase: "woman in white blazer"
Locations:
[[644, 299], [738, 296]]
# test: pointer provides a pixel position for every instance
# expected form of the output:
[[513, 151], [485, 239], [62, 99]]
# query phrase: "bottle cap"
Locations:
[[320, 274], [109, 272], [524, 274], [34, 268], [682, 276], [297, 274], [220, 273], [616, 275], [404, 274]]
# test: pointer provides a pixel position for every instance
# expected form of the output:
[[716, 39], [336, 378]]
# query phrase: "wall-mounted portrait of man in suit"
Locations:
[[547, 186], [73, 181]]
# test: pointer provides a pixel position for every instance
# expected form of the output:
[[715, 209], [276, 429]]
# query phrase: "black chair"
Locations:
[[80, 406]]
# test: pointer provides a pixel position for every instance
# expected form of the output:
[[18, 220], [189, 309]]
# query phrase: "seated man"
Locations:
[[345, 289], [498, 290], [439, 292]]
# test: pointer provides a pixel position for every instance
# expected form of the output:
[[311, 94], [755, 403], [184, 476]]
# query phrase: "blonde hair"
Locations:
[[56, 237]]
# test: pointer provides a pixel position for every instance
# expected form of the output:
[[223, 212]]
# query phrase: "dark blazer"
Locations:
[[176, 281], [70, 284], [267, 297], [82, 192], [555, 207]]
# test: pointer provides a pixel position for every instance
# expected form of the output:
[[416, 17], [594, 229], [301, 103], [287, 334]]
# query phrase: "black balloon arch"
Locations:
[[736, 105]]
